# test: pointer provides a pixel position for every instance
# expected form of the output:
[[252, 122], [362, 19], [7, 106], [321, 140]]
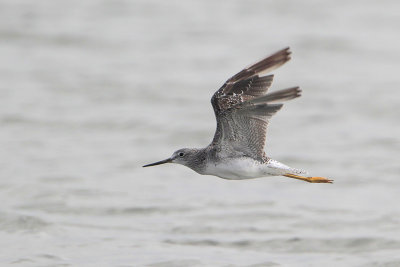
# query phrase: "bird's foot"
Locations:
[[309, 179]]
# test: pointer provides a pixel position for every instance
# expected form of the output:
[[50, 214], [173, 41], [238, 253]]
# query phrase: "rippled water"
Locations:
[[92, 90]]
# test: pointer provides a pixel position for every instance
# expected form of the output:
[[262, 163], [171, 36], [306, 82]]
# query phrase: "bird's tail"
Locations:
[[297, 171]]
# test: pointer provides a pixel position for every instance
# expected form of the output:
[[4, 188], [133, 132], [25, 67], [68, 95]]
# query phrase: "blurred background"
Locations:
[[92, 90]]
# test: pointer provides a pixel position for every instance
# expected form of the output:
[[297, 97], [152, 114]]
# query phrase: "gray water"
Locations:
[[92, 90]]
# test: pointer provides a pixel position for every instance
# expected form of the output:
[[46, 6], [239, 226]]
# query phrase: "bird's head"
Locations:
[[185, 156]]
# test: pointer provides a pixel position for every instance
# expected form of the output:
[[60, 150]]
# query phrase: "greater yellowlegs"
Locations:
[[243, 108]]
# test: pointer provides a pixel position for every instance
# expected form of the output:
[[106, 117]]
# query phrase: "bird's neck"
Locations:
[[197, 161]]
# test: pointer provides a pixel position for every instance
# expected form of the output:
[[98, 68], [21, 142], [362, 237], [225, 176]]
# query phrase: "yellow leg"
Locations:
[[309, 179]]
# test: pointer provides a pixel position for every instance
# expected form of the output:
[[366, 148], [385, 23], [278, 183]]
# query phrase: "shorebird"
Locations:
[[243, 109]]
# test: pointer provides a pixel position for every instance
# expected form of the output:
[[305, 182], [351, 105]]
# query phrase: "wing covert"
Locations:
[[243, 108]]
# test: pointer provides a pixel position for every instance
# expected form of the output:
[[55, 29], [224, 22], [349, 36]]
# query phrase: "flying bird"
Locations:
[[243, 108]]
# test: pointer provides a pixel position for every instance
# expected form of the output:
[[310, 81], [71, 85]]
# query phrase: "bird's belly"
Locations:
[[238, 169]]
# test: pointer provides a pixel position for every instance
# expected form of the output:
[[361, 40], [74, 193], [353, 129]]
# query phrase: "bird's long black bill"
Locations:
[[158, 163]]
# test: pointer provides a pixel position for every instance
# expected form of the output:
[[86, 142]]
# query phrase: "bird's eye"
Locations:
[[181, 154]]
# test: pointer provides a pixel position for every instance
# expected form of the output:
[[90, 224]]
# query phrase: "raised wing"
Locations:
[[243, 109]]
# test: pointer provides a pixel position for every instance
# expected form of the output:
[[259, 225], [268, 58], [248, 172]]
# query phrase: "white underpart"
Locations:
[[247, 168]]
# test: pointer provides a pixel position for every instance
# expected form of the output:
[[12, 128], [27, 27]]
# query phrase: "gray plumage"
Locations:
[[242, 109]]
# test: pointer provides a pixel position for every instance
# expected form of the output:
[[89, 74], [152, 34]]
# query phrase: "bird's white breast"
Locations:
[[242, 168]]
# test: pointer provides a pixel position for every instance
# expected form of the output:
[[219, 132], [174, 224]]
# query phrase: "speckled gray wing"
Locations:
[[243, 108]]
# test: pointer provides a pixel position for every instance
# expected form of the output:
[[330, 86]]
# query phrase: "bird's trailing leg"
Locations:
[[309, 179]]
